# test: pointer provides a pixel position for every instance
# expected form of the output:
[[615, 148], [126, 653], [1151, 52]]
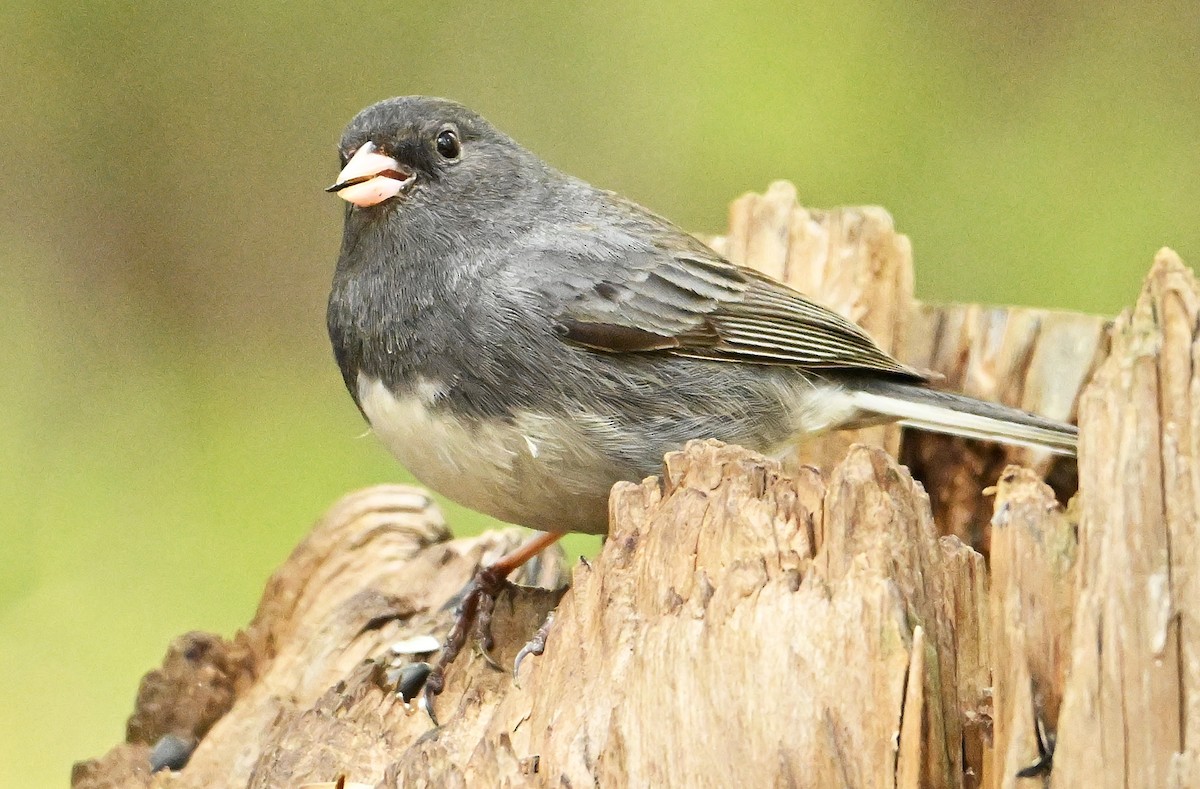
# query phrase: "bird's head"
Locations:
[[415, 154]]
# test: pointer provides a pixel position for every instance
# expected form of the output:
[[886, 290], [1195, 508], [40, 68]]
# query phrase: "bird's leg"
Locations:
[[475, 608]]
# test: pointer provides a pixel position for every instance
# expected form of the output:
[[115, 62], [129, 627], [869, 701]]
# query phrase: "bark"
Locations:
[[827, 619]]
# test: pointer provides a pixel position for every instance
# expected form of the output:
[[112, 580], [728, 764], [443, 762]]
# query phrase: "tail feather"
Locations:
[[959, 415]]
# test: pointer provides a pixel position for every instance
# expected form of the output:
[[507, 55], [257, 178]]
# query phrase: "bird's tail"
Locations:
[[959, 415]]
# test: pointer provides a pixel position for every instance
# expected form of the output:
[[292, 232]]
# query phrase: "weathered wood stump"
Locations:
[[824, 620]]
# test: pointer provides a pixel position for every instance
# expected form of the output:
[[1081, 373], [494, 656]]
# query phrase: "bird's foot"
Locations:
[[536, 645], [473, 612]]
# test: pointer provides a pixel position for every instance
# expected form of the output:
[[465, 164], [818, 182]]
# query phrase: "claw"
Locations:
[[535, 646], [487, 657], [426, 702], [526, 650]]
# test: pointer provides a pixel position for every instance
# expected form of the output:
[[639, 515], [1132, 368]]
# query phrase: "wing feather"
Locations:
[[679, 297]]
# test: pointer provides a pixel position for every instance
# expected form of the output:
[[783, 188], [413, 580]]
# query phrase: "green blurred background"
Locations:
[[171, 419]]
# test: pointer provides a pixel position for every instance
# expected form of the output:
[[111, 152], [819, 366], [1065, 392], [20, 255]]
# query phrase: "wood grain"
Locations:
[[824, 620]]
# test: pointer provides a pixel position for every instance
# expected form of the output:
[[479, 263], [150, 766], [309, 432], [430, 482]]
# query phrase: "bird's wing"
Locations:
[[691, 302]]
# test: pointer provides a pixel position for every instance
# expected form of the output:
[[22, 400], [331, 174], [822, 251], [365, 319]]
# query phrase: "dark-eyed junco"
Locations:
[[522, 340]]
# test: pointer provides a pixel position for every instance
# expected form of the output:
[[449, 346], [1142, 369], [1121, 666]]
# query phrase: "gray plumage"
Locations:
[[523, 340]]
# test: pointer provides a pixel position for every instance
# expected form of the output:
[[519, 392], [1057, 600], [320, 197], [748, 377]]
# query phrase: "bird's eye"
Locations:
[[447, 144]]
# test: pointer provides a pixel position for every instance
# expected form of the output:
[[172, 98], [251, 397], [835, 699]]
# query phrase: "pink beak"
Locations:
[[369, 178]]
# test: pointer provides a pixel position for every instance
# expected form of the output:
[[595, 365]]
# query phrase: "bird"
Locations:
[[521, 340]]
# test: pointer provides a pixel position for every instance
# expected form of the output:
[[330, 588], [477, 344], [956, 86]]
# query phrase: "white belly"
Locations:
[[529, 470]]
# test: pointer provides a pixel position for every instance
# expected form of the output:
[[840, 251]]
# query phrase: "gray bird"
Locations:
[[522, 340]]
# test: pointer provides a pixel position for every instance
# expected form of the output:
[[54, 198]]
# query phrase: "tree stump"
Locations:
[[828, 619]]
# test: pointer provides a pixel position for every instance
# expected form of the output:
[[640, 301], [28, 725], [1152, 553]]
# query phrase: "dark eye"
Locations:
[[447, 144]]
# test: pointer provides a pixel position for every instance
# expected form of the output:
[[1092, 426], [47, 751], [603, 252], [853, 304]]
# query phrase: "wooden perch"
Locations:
[[852, 260], [821, 621]]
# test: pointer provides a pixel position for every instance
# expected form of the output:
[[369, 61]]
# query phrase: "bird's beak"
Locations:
[[370, 178]]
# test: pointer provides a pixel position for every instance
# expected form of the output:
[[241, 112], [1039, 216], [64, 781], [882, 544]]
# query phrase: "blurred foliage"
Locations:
[[171, 419]]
